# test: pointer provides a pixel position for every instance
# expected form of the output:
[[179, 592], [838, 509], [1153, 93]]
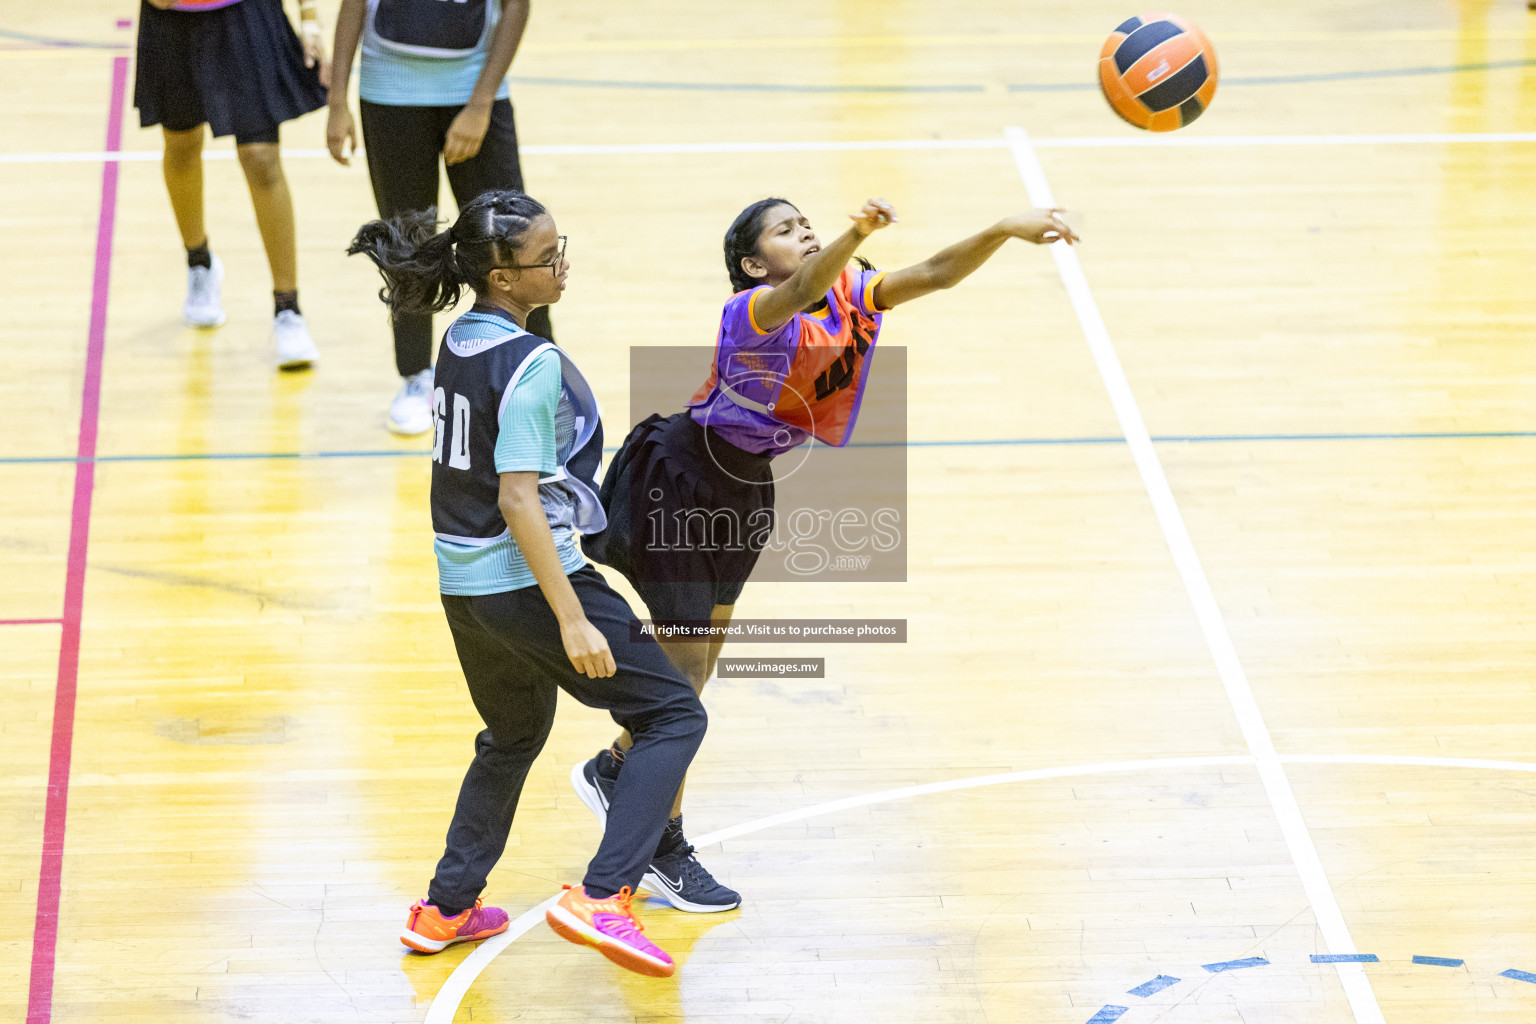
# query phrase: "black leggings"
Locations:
[[509, 646], [404, 146]]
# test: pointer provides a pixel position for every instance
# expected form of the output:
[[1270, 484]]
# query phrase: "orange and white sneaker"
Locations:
[[428, 931], [610, 926]]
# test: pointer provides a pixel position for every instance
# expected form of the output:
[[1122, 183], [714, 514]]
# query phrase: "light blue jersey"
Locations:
[[536, 429], [393, 78]]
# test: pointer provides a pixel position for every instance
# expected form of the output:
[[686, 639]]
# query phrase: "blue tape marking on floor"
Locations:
[[1345, 958], [1085, 85], [963, 443], [790, 87], [1415, 436], [50, 41], [1325, 76], [1154, 986], [987, 442], [1342, 76], [1108, 1015], [1438, 961], [1519, 975], [1236, 965]]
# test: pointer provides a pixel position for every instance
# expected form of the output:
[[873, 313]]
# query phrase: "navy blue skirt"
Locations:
[[240, 69], [667, 470]]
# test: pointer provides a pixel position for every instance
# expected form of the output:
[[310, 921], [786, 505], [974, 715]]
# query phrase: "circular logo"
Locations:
[[783, 435]]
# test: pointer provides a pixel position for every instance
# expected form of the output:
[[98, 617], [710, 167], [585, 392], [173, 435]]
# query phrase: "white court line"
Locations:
[[1325, 908], [445, 1005], [1165, 141]]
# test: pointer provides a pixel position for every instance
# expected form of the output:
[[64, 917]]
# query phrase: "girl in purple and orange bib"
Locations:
[[791, 361]]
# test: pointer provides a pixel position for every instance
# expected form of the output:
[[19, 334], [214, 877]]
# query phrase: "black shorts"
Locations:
[[239, 69], [688, 514]]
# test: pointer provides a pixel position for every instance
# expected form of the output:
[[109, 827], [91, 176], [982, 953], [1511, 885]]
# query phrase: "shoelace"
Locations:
[[692, 871], [420, 905], [620, 902]]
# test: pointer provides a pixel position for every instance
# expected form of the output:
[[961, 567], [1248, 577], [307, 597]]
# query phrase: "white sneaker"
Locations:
[[411, 411], [203, 308], [295, 348]]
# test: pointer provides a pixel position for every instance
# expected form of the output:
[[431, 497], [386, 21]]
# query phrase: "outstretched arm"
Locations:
[[812, 278], [948, 267]]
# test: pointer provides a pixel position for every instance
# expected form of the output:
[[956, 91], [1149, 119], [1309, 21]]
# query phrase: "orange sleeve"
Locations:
[[751, 309], [869, 292]]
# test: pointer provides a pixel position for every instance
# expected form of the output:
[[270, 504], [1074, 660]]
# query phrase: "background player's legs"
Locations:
[[262, 163], [263, 167], [497, 165], [403, 145], [517, 701], [182, 166]]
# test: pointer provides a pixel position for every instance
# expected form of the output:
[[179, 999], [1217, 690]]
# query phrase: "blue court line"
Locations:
[[1324, 76], [1345, 76], [792, 87], [1345, 958], [1108, 1015], [218, 456], [52, 42], [1153, 987], [1084, 85], [971, 443], [1519, 975], [1236, 965], [1438, 961]]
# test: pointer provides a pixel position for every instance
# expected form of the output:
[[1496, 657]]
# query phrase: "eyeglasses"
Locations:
[[553, 265]]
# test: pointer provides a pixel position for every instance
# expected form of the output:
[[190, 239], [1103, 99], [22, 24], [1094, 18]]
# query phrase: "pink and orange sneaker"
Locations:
[[428, 931], [609, 925]]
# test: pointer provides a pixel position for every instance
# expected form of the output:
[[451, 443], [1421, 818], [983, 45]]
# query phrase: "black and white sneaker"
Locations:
[[675, 873], [594, 779], [677, 876]]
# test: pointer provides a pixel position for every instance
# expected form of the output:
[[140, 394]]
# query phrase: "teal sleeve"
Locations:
[[525, 441]]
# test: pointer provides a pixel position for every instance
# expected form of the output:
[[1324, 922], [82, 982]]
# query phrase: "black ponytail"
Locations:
[[741, 241], [426, 271]]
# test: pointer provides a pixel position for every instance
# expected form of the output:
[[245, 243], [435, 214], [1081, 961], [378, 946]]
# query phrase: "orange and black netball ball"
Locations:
[[1158, 71]]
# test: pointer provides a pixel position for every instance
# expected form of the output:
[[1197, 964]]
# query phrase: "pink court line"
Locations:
[[30, 622], [45, 932]]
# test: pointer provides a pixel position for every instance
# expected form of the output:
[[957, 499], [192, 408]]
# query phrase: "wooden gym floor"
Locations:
[[1321, 299]]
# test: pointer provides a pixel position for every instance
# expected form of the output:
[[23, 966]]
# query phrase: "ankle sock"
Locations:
[[596, 892], [450, 911], [285, 302], [199, 256]]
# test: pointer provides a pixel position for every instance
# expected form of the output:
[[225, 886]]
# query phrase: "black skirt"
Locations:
[[688, 514], [238, 68]]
